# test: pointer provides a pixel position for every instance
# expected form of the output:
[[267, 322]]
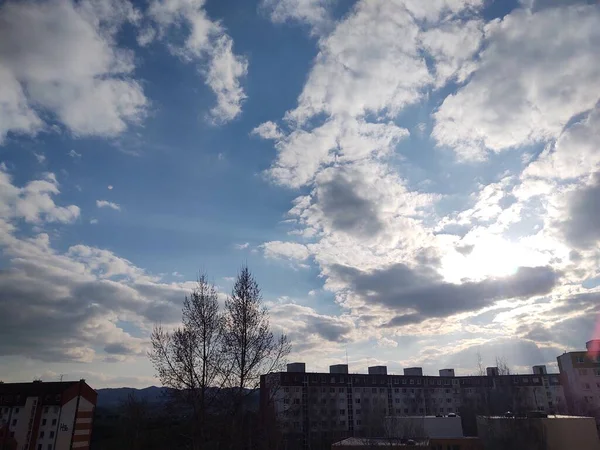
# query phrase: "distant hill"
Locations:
[[114, 397], [109, 398]]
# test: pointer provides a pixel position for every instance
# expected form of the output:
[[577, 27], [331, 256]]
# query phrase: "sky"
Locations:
[[412, 183]]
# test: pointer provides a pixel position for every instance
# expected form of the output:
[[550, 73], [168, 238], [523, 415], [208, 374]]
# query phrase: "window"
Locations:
[[332, 379], [381, 390], [397, 400], [449, 409], [287, 389], [412, 381], [403, 381], [56, 410], [448, 400], [396, 391], [324, 400], [43, 422], [341, 390], [441, 410], [404, 390], [41, 434], [405, 410], [357, 400], [373, 390], [536, 380], [14, 422], [296, 401], [342, 412], [597, 372], [49, 447], [331, 390], [586, 385], [12, 434], [39, 446], [396, 381], [447, 391], [286, 401], [358, 422], [297, 389], [357, 412], [46, 410], [421, 410], [580, 359], [51, 434], [16, 410]]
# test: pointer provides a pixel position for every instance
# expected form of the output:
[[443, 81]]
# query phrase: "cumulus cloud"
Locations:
[[66, 306], [267, 130], [533, 76], [287, 250], [314, 13], [107, 204], [420, 293], [61, 58], [207, 44], [33, 202]]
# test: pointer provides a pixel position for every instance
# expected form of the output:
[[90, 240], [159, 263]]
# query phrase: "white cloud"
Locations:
[[74, 154], [287, 250], [369, 63], [387, 343], [207, 44], [314, 13], [242, 246], [40, 157], [110, 187], [535, 73], [107, 204], [71, 68], [33, 202], [267, 130], [93, 221]]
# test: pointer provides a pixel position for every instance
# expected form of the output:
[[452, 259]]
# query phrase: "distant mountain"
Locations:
[[114, 397], [109, 398]]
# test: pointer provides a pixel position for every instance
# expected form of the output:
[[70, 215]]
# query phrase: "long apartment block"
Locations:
[[343, 404]]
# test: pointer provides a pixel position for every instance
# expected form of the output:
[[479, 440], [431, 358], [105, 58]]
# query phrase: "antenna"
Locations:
[[61, 376], [346, 355]]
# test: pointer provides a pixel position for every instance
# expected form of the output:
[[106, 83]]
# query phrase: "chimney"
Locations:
[[298, 367], [414, 371], [338, 368], [539, 370], [492, 371], [378, 370], [446, 372]]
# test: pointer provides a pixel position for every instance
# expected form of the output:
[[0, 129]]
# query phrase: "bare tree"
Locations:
[[249, 341], [502, 365], [190, 359], [250, 346], [480, 369]]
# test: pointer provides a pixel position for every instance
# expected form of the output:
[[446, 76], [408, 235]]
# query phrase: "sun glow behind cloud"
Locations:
[[491, 256]]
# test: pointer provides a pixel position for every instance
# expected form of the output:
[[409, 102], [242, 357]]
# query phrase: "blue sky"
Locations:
[[411, 182]]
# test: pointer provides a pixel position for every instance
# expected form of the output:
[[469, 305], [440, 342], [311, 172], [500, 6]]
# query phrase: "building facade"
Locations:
[[315, 408], [580, 372], [46, 416]]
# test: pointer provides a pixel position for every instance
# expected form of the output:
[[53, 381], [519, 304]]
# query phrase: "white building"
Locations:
[[46, 416], [580, 372]]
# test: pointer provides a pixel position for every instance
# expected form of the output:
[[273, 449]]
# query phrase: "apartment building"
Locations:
[[320, 406], [581, 379], [46, 416]]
